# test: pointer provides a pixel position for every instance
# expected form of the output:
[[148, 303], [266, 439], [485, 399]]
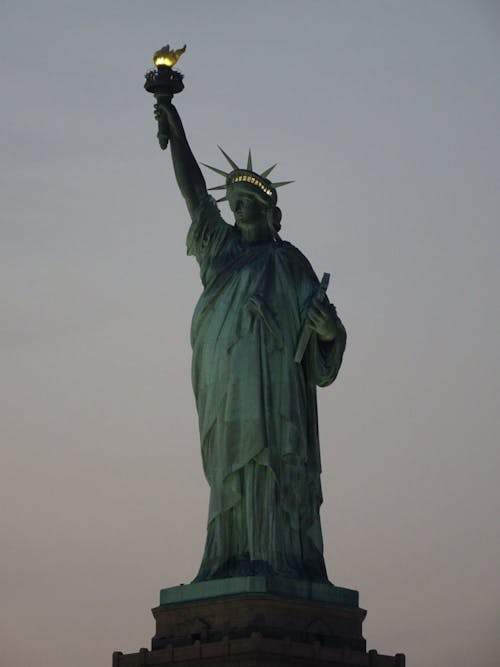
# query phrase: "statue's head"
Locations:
[[252, 218], [251, 196]]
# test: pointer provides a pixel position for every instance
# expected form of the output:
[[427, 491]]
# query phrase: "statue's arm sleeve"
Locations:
[[324, 358], [187, 171], [321, 358], [208, 231]]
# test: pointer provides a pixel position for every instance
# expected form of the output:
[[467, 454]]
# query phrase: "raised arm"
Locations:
[[187, 172]]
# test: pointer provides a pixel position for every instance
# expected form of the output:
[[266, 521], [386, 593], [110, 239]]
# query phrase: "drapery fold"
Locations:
[[256, 407]]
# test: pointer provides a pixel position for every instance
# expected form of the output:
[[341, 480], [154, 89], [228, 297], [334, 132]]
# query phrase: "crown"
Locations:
[[248, 178]]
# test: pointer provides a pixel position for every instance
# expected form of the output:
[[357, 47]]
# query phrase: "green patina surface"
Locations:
[[255, 396], [259, 585]]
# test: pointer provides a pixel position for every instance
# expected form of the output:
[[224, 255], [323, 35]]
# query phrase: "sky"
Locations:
[[385, 114]]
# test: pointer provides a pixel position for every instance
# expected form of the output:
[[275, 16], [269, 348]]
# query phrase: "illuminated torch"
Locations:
[[164, 82]]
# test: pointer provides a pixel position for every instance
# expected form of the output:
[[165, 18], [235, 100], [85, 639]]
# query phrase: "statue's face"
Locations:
[[250, 215], [247, 210]]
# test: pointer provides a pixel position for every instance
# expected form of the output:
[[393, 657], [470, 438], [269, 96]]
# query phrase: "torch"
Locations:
[[164, 82]]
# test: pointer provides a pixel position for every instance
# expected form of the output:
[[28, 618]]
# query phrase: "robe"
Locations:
[[256, 406]]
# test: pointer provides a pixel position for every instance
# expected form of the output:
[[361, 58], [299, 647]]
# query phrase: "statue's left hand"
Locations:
[[321, 317]]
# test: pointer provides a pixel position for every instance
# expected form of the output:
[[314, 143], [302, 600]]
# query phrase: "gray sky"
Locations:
[[386, 115]]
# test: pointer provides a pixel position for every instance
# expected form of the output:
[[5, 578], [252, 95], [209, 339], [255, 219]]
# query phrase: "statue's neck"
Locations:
[[252, 233]]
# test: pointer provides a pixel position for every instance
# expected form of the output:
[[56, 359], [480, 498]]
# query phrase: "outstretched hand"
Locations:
[[158, 111], [163, 107], [321, 317], [168, 119], [169, 123]]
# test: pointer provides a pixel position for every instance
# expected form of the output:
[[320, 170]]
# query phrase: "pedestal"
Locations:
[[265, 621]]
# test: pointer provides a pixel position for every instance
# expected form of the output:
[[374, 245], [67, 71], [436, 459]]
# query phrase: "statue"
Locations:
[[255, 393]]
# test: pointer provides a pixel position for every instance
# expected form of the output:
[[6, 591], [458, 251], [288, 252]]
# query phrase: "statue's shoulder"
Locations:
[[207, 211], [297, 260], [208, 232]]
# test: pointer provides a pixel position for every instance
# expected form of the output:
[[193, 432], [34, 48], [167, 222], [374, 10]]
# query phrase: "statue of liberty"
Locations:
[[255, 393]]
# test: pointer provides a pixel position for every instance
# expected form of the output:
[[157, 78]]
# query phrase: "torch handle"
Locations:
[[163, 126]]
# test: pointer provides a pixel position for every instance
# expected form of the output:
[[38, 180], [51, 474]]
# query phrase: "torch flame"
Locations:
[[168, 57]]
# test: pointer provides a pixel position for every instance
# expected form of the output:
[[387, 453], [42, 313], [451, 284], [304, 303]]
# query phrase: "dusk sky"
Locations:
[[385, 113]]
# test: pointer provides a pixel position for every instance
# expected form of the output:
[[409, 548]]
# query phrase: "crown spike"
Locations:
[[279, 185], [217, 171], [266, 173], [246, 176], [231, 162]]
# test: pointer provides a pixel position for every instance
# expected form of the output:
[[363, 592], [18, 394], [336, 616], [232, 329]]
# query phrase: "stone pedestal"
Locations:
[[265, 621]]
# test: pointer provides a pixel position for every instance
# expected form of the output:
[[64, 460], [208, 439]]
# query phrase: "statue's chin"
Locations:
[[255, 231]]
